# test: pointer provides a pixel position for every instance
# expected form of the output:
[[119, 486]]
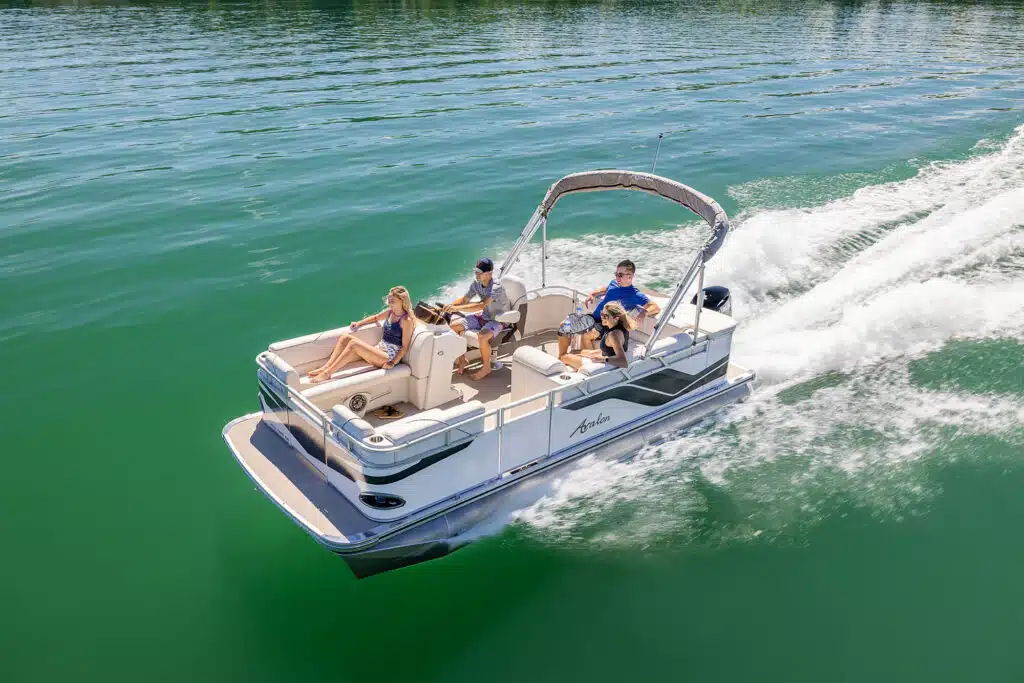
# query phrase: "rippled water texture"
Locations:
[[183, 183]]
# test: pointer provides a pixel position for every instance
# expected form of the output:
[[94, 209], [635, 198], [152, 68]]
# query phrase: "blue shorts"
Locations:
[[477, 323]]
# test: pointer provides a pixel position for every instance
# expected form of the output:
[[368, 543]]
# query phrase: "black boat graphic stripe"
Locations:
[[336, 463], [656, 389]]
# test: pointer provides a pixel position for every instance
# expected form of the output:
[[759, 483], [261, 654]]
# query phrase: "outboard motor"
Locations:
[[716, 299]]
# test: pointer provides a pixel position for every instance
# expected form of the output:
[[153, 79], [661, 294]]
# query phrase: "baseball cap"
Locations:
[[484, 265]]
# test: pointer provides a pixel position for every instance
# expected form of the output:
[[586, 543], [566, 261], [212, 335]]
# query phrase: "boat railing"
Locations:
[[501, 415]]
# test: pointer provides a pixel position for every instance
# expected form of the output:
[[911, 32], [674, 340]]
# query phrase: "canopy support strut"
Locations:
[[544, 252]]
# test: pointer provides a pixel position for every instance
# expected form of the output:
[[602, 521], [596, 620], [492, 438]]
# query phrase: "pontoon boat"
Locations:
[[386, 494]]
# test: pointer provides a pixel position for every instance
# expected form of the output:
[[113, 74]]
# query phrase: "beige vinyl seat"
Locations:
[[422, 378], [466, 418]]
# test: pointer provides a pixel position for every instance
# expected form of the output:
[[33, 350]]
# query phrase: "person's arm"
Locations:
[[648, 306], [468, 307], [408, 326], [463, 305], [615, 339], [596, 294], [369, 319]]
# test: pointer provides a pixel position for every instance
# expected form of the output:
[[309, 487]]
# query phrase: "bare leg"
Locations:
[[339, 351], [458, 327], [588, 339], [563, 345], [484, 337], [572, 360], [576, 361], [357, 348]]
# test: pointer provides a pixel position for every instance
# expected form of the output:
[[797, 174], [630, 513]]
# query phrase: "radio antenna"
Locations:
[[660, 135]]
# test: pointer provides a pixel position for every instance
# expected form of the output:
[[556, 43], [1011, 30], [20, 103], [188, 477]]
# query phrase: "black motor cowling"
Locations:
[[716, 299]]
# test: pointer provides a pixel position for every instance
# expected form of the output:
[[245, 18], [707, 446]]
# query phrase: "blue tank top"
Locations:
[[393, 330]]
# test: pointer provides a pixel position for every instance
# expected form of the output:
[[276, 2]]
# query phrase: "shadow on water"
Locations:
[[858, 599]]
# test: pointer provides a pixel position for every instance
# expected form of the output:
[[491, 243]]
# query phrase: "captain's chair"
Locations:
[[515, 318]]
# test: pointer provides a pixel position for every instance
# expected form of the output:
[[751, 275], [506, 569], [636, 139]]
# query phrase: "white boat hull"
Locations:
[[440, 531]]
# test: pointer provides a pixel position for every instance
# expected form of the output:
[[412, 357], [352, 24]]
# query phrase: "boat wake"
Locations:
[[836, 304]]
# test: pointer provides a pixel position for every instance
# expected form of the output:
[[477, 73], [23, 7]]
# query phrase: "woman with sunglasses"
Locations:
[[621, 290], [613, 342], [399, 323]]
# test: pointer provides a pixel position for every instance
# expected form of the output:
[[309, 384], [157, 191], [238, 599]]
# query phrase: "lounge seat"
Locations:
[[421, 424], [403, 432], [637, 353], [422, 378], [349, 371]]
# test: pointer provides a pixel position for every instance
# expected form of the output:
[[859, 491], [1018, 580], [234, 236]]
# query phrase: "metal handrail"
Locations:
[[552, 393]]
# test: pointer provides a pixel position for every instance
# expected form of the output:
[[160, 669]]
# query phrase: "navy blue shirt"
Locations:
[[630, 297]]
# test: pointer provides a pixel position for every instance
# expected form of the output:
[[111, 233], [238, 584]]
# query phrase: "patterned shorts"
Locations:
[[389, 348], [577, 323]]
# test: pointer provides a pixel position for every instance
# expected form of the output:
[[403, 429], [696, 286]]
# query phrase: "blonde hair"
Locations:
[[403, 295], [615, 310]]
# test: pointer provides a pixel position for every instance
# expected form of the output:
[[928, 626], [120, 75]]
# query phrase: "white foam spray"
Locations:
[[845, 294]]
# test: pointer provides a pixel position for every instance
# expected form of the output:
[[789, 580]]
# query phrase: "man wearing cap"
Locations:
[[480, 316]]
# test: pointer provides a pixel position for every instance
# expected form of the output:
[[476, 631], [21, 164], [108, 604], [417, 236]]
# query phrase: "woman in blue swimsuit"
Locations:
[[399, 324]]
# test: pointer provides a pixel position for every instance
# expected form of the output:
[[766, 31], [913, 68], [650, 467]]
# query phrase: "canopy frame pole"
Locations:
[[544, 252], [524, 237], [700, 304], [673, 303]]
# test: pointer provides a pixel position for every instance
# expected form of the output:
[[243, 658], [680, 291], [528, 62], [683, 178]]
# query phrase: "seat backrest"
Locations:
[[421, 350], [430, 357], [547, 312], [515, 289]]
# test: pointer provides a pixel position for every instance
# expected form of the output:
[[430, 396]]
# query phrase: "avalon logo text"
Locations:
[[590, 424]]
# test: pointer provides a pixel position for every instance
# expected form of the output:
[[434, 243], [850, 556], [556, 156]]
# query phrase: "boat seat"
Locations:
[[422, 378], [636, 353], [533, 372], [281, 369], [349, 371], [374, 381], [421, 424], [347, 421], [515, 319]]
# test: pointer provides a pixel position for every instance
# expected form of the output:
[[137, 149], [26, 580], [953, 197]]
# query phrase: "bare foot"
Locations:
[[460, 365], [481, 373], [322, 377]]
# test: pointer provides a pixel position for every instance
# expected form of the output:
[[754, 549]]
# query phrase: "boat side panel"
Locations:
[[458, 527], [473, 462]]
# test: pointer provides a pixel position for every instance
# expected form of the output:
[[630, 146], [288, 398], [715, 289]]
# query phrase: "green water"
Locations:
[[183, 183]]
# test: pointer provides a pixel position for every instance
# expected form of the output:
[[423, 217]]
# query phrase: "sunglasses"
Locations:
[[622, 274]]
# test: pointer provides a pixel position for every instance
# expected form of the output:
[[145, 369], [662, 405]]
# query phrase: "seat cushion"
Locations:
[[347, 371], [350, 423], [590, 368], [354, 382], [281, 369], [428, 421], [538, 361]]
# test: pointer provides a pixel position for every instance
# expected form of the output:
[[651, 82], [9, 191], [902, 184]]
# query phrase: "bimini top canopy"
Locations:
[[596, 181], [612, 179]]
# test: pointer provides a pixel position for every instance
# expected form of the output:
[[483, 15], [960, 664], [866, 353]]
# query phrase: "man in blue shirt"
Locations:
[[620, 289]]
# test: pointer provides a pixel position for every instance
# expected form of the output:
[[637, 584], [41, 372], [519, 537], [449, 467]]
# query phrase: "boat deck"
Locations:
[[493, 391], [294, 484]]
